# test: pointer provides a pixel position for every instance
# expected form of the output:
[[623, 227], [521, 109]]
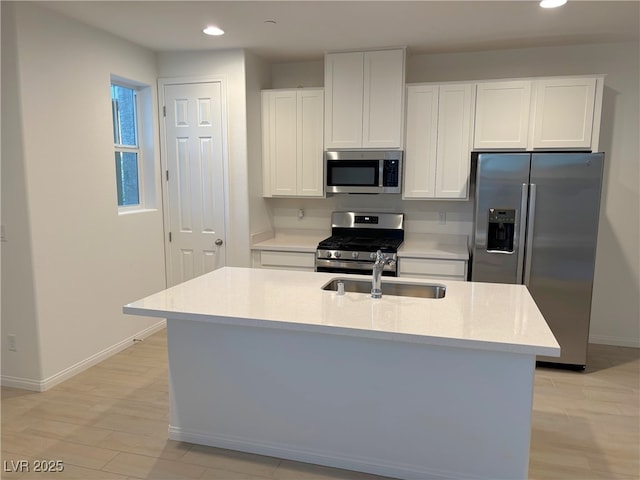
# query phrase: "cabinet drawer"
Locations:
[[432, 267], [287, 259]]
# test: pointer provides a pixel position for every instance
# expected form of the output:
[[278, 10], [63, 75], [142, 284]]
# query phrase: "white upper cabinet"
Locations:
[[539, 113], [438, 141], [344, 88], [421, 141], [455, 119], [383, 99], [364, 99], [292, 150], [502, 115], [564, 113], [310, 151]]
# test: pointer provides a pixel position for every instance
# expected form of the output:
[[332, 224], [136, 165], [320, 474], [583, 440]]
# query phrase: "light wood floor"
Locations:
[[110, 422]]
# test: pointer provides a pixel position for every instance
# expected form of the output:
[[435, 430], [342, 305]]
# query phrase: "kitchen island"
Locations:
[[265, 361]]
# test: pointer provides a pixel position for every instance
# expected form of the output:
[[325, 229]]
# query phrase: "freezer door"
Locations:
[[563, 228], [501, 189]]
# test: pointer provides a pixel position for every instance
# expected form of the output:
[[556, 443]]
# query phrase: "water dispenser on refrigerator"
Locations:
[[501, 230]]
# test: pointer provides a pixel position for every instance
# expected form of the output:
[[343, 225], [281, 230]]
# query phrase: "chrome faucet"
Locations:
[[376, 279]]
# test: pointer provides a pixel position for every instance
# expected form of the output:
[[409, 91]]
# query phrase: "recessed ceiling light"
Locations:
[[211, 30], [552, 3]]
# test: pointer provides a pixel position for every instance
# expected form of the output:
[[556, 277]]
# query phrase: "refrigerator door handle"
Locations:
[[532, 216], [521, 231]]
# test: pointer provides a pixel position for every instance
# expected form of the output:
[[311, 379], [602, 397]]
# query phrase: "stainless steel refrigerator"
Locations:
[[536, 223]]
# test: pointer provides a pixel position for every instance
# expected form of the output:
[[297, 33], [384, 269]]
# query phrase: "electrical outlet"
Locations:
[[11, 340], [442, 218]]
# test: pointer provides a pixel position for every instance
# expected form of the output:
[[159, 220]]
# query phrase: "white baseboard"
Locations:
[[615, 341], [22, 383], [53, 380], [367, 465]]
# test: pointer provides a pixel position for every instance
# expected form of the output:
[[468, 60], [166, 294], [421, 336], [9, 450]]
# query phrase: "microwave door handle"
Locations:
[[381, 174]]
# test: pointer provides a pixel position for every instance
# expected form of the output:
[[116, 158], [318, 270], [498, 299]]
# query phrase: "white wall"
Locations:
[[70, 261], [616, 308], [17, 267], [258, 73], [230, 66]]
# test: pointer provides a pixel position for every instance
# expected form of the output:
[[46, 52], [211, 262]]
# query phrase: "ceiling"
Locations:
[[304, 30]]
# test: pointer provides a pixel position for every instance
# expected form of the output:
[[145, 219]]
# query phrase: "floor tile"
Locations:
[[140, 466], [111, 421]]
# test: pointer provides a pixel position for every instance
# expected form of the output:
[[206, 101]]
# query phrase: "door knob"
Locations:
[[219, 242]]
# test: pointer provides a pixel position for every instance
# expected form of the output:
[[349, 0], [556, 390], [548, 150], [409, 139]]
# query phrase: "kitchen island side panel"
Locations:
[[386, 407]]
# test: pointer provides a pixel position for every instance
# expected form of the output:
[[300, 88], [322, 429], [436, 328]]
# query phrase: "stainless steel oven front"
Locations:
[[355, 238]]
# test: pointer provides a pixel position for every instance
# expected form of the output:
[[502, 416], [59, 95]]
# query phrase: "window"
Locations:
[[124, 104], [134, 143]]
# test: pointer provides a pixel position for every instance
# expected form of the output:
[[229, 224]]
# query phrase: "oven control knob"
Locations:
[[355, 254], [328, 254], [337, 254], [372, 255]]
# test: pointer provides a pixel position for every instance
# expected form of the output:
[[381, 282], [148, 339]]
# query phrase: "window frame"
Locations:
[[125, 148]]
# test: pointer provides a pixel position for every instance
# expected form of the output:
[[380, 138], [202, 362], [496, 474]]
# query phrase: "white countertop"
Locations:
[[443, 247], [496, 317], [418, 245], [305, 241]]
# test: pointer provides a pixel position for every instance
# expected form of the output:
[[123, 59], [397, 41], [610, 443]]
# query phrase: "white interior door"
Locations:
[[195, 179]]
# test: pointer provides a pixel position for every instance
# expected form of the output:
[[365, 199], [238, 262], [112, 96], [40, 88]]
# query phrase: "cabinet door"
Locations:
[[502, 115], [282, 142], [310, 166], [564, 113], [287, 260], [421, 141], [454, 137], [432, 268], [266, 143], [383, 99], [343, 81]]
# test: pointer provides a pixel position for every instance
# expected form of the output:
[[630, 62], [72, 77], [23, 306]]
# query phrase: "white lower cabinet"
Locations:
[[432, 268], [284, 260], [438, 141], [407, 266]]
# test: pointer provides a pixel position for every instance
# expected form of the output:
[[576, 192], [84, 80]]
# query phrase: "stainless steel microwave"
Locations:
[[363, 171]]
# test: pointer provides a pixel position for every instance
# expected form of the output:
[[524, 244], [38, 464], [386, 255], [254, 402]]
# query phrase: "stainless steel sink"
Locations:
[[421, 290]]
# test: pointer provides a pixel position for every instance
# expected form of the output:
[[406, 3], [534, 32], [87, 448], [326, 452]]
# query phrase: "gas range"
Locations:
[[355, 238]]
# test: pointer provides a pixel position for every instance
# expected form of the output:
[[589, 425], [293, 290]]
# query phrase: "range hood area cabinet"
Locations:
[[537, 114], [364, 99], [292, 136], [438, 141]]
